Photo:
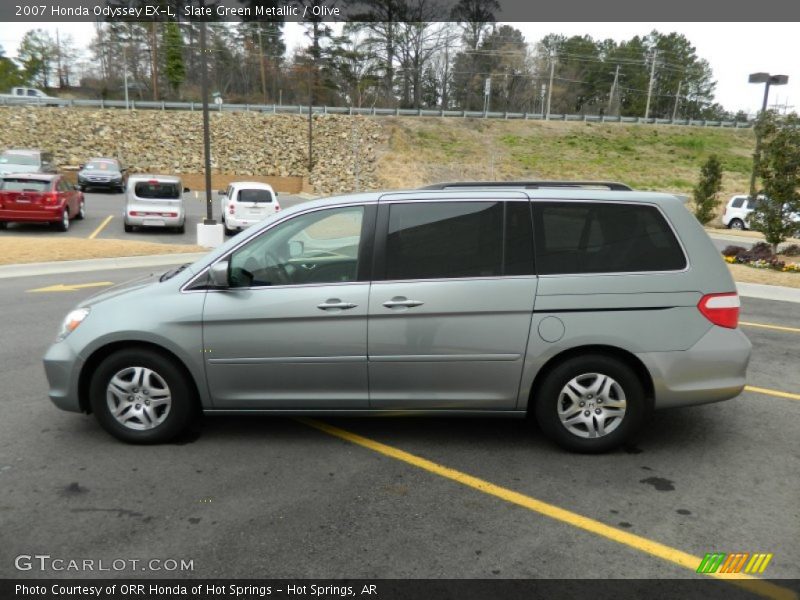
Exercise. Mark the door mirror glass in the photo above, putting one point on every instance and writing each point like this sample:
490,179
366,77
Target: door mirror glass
221,192
186,189
218,274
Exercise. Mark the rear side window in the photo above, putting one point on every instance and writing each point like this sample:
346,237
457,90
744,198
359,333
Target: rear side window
157,190
446,240
737,202
255,196
752,203
18,184
580,237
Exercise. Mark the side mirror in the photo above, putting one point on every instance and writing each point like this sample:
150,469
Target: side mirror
81,166
296,248
276,194
186,189
218,274
221,192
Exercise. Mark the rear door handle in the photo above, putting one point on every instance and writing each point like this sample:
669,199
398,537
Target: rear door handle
402,302
336,304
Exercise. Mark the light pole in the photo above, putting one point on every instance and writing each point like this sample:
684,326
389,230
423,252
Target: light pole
768,80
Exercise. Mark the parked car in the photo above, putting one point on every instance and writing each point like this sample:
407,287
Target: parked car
21,160
245,203
740,207
154,201
107,173
28,95
40,198
581,306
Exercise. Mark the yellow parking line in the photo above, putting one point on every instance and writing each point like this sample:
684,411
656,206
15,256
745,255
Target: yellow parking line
637,542
775,327
100,228
768,392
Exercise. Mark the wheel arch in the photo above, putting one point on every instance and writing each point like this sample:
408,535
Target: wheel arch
624,356
99,354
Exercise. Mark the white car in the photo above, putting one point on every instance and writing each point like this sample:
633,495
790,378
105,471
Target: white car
738,211
245,203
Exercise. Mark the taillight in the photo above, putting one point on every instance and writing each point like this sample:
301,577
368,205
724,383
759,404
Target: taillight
721,309
231,209
277,207
51,198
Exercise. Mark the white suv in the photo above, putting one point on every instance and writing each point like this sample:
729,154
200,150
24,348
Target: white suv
245,203
739,209
737,212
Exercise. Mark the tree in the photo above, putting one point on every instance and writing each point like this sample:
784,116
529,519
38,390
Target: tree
474,16
10,75
36,53
779,170
706,190
174,69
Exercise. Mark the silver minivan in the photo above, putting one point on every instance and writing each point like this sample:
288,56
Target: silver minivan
582,305
154,201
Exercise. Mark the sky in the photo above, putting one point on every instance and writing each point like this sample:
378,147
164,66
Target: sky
733,50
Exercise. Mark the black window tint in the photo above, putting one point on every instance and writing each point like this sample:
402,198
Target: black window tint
737,202
579,237
444,240
255,196
518,239
752,203
157,190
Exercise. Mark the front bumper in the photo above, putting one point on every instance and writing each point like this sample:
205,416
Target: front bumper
62,366
713,369
100,184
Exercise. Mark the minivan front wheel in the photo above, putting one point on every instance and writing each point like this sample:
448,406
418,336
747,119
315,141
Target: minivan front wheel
590,403
141,397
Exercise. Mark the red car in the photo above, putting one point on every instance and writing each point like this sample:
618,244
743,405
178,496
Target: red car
40,198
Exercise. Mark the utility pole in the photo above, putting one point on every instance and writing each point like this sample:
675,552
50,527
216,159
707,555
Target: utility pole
650,87
154,65
553,57
310,122
446,73
261,63
206,129
613,90
677,99
125,73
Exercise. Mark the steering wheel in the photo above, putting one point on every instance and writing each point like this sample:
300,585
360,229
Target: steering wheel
278,267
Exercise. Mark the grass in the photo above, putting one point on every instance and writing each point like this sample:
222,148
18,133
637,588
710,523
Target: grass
663,158
747,274
16,250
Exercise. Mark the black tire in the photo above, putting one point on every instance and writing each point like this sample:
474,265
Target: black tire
548,398
181,411
225,227
63,224
181,229
128,228
82,188
3,225
736,224
81,211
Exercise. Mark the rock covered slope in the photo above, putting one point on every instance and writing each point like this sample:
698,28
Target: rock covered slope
247,143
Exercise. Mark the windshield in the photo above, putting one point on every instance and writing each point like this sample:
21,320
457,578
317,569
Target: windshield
11,158
157,190
17,184
101,165
255,196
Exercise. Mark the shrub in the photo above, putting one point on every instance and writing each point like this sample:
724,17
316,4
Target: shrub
793,250
733,250
761,251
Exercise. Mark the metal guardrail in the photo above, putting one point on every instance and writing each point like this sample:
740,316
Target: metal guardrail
349,110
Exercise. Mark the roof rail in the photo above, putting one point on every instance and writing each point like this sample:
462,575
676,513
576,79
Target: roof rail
610,185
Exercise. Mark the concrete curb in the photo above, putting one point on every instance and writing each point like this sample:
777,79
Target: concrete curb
768,292
96,264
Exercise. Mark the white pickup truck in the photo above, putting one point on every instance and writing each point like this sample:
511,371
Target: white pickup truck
27,95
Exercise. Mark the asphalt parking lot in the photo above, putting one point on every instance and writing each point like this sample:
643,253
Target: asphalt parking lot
397,497
100,206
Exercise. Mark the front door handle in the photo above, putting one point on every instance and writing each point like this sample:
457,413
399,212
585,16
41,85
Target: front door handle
336,304
402,302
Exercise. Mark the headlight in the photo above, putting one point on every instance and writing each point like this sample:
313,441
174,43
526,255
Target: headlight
71,322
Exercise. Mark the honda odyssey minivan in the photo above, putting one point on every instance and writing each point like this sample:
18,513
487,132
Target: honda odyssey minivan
583,305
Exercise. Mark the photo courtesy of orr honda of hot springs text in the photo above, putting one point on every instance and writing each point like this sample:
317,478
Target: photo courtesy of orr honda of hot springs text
582,305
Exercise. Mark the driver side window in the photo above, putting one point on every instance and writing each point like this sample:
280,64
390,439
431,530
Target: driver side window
313,248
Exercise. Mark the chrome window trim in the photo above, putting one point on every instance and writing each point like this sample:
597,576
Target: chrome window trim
251,238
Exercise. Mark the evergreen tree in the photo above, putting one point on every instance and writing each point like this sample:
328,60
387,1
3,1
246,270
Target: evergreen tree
706,190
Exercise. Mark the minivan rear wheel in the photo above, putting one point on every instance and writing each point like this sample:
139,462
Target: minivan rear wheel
141,397
590,403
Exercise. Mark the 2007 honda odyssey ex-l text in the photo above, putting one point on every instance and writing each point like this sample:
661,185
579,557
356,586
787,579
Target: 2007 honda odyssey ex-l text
584,305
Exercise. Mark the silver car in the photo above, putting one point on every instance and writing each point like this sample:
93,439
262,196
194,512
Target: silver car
583,305
154,201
